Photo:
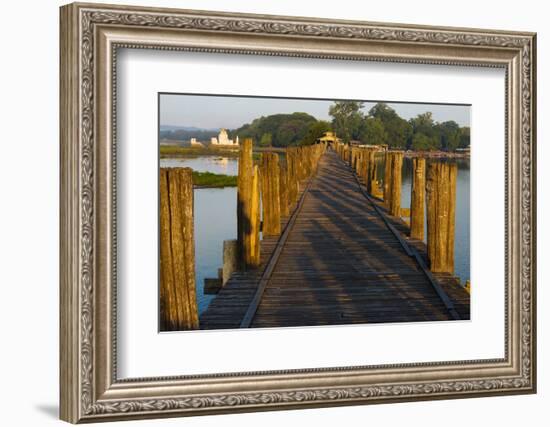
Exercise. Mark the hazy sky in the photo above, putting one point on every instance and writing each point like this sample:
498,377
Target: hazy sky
230,112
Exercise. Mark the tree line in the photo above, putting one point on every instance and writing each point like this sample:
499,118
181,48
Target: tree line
283,130
382,125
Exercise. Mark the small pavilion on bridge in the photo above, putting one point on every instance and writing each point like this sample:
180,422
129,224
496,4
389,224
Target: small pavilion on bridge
330,138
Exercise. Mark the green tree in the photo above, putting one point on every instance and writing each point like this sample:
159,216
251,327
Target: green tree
398,130
291,132
315,131
424,124
422,142
266,140
346,119
449,132
373,131
464,140
285,129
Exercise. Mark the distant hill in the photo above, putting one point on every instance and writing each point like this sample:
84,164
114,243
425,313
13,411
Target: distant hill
187,128
185,133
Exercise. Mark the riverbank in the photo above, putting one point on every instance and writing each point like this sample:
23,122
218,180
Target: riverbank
213,180
175,151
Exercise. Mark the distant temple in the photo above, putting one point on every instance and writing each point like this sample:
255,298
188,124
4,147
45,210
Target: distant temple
223,139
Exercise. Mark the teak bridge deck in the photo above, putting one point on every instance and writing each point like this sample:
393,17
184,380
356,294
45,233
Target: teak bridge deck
341,259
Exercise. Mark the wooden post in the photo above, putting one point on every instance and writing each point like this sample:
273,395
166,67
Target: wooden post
292,179
387,178
395,187
230,259
374,184
354,157
248,222
178,299
270,194
371,178
254,255
283,191
362,165
418,198
441,198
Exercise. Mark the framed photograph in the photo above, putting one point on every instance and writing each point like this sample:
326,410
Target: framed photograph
267,212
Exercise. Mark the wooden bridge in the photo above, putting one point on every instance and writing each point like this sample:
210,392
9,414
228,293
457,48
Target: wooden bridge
340,258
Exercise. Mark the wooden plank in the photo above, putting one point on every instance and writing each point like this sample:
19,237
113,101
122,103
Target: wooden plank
251,311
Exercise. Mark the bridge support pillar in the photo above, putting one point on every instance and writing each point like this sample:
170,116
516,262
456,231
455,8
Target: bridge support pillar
441,204
283,191
270,194
248,208
230,259
292,177
178,300
418,198
396,163
371,170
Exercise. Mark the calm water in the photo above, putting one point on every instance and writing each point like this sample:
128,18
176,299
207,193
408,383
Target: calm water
214,164
216,217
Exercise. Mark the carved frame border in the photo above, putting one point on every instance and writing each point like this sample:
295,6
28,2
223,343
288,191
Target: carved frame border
89,387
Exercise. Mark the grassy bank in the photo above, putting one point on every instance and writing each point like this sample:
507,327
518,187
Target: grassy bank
211,180
175,151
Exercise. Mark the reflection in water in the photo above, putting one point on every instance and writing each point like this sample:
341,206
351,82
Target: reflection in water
215,221
214,164
216,216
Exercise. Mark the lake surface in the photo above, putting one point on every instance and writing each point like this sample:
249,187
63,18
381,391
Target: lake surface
214,164
216,216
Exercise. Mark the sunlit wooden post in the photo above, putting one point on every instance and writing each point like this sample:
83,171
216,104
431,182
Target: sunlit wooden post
395,186
292,179
360,169
304,170
283,191
355,155
178,300
270,194
418,198
358,162
253,260
387,177
371,178
441,205
230,259
248,207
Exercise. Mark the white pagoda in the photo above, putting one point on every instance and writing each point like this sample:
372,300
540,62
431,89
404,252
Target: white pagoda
223,140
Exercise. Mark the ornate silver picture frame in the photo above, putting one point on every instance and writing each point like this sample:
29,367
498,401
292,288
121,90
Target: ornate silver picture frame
90,36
